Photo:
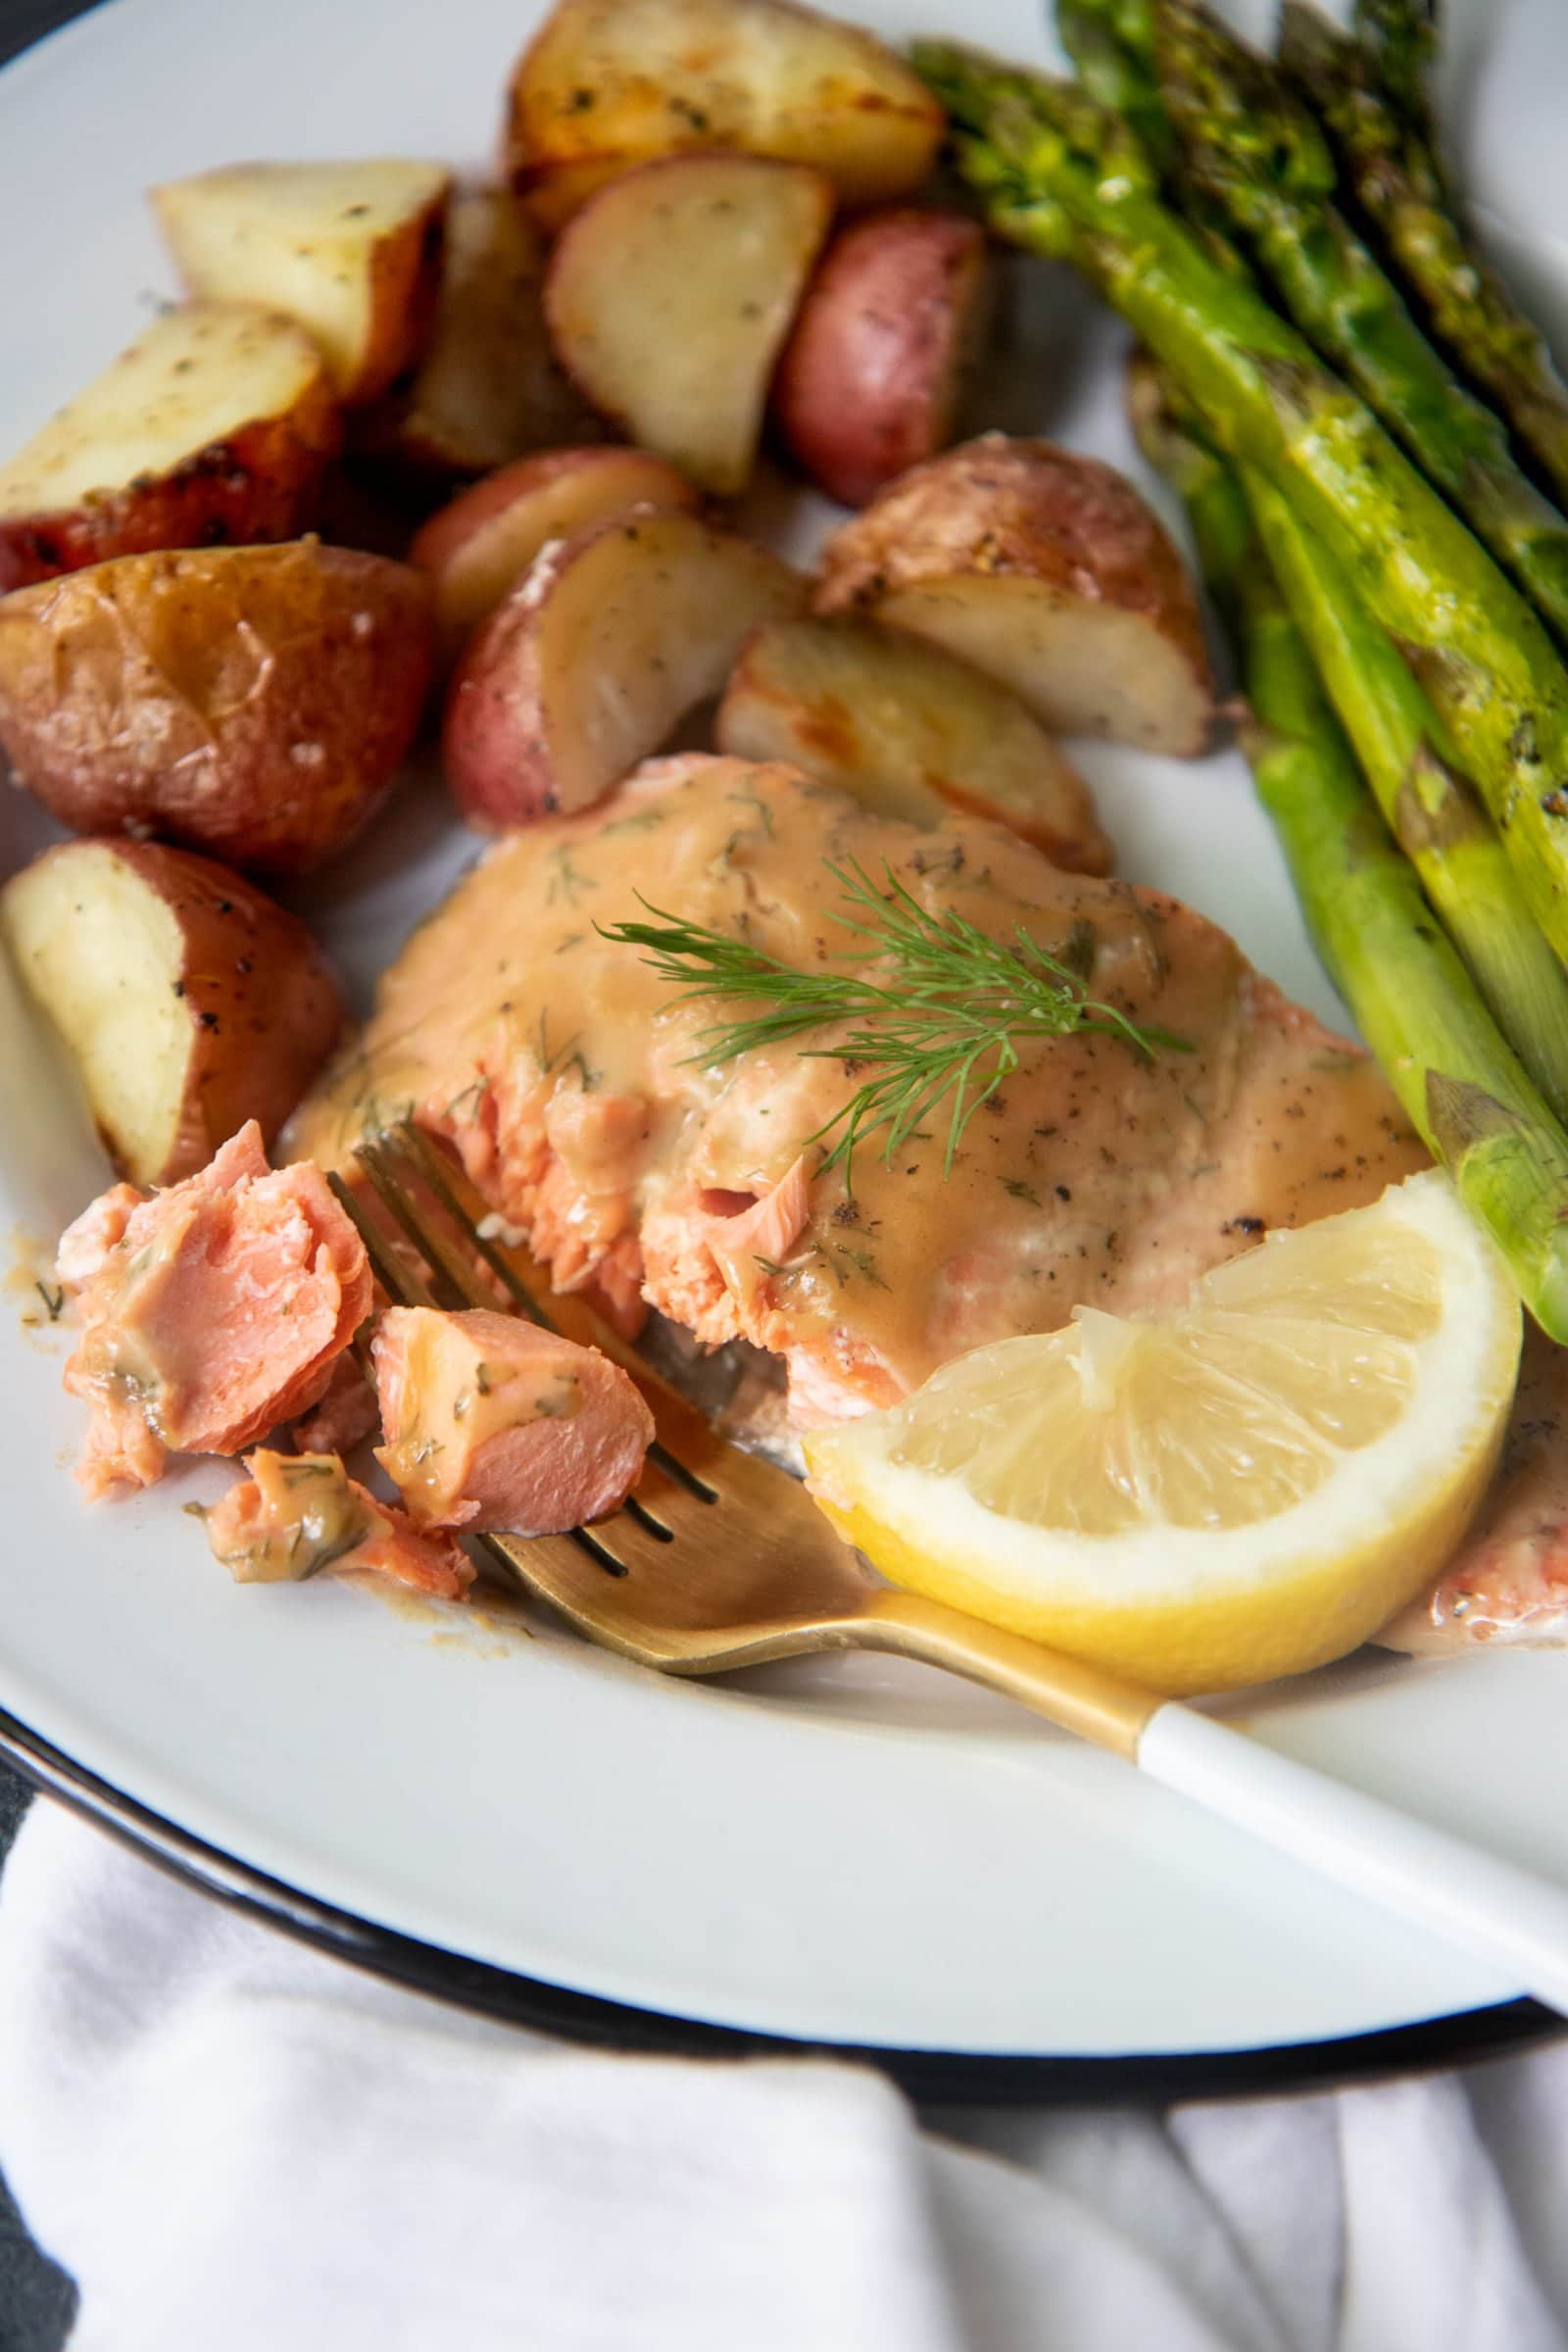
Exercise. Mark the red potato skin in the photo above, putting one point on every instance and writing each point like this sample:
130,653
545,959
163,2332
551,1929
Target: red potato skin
457,525
173,693
496,768
870,379
263,484
265,1003
468,577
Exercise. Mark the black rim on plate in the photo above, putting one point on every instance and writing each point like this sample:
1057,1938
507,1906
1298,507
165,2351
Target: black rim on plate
940,2076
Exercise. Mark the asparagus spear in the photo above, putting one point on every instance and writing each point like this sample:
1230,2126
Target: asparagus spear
1398,742
1379,126
1114,58
1064,176
1254,149
1455,1075
1429,807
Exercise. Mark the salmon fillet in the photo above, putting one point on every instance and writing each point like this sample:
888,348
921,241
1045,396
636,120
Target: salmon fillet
299,1513
572,1081
210,1312
1508,1580
491,1422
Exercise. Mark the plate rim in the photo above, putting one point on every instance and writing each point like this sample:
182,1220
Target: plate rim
939,2077
930,2077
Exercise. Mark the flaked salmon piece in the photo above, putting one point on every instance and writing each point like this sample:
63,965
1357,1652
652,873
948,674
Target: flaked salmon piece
574,1083
210,1312
345,1416
299,1513
1508,1580
491,1422
84,1245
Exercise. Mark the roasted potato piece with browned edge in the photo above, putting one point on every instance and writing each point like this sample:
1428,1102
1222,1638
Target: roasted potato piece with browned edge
607,85
216,425
879,358
1047,571
669,297
352,251
488,388
604,644
186,1000
909,730
486,538
251,702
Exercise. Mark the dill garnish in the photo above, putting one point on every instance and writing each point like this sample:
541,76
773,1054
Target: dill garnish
947,1020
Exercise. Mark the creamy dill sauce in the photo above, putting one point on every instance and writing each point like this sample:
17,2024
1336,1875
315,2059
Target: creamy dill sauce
451,1401
554,1056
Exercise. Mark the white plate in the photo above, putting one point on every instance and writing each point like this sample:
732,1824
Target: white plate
855,1852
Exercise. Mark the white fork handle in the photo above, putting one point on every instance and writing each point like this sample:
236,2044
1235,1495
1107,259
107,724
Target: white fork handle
1473,1899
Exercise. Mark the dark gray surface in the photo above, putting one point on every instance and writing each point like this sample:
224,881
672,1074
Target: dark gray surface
37,2302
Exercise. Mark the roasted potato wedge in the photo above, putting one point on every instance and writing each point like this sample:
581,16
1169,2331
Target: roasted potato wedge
216,425
486,538
186,1000
351,251
669,297
606,84
909,730
606,642
488,388
873,373
251,702
1047,571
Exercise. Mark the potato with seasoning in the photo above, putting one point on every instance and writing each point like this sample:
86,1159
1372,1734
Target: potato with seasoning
909,730
351,251
607,84
215,427
1047,571
669,297
185,999
252,703
488,387
604,644
880,357
474,548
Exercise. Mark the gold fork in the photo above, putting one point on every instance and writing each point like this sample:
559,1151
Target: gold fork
720,1560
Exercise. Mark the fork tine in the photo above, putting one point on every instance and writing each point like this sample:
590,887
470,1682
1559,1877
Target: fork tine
380,1161
409,1139
401,1282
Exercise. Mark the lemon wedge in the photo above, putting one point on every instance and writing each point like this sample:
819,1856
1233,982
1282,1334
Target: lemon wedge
1247,1488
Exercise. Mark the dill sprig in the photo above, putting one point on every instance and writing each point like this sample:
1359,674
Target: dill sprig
947,1019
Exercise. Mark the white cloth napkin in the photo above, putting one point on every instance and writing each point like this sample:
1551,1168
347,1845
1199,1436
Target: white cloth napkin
236,2145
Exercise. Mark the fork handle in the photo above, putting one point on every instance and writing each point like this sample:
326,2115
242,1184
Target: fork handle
1475,1900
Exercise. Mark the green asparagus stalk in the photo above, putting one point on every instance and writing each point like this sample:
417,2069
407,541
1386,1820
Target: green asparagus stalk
1399,744
1117,71
1111,43
1380,129
1429,810
1061,176
1459,1083
1254,149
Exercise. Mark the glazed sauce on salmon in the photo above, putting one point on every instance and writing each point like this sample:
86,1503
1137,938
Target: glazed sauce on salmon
573,1081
